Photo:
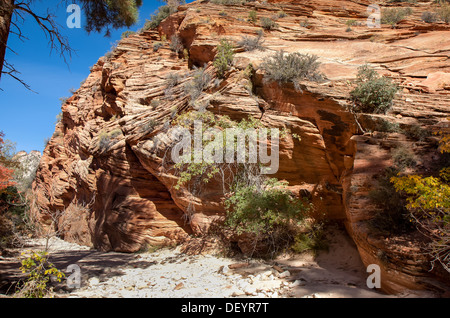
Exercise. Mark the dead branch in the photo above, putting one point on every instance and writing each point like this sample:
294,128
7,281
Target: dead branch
50,28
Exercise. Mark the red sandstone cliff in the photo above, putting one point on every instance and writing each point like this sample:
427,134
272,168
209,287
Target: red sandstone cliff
118,197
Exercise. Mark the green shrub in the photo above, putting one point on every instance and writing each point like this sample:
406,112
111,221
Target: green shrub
224,57
251,43
127,34
416,132
186,54
444,12
394,15
291,67
384,125
403,158
268,23
374,93
281,14
59,118
268,212
172,80
63,100
106,139
157,46
229,2
205,170
176,44
304,23
313,240
429,17
149,126
195,87
156,18
252,16
351,22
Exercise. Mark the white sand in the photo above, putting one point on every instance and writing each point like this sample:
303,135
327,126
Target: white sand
168,273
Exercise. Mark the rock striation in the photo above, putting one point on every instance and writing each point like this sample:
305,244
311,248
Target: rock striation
104,164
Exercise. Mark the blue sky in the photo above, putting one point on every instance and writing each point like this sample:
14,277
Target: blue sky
28,118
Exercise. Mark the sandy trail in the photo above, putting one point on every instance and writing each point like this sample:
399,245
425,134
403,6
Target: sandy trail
168,273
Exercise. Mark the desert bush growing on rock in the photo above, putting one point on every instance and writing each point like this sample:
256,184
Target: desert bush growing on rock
416,132
394,15
149,126
429,17
304,23
291,68
251,43
157,46
162,13
252,16
224,57
229,2
373,93
199,82
106,139
176,44
206,170
281,14
172,80
268,23
387,126
444,12
127,34
156,18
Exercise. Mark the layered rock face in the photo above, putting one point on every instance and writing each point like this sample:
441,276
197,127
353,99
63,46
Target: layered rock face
104,166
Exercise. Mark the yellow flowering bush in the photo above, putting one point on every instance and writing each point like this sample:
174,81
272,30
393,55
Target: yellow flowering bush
428,200
39,272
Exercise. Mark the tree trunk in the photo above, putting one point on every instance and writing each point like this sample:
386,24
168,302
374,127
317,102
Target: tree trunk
6,11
